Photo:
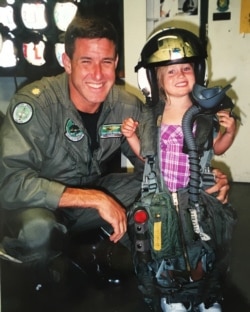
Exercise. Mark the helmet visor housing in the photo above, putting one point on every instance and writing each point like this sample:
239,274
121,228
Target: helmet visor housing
172,46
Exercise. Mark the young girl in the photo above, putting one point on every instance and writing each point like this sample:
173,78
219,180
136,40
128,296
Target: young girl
174,60
175,84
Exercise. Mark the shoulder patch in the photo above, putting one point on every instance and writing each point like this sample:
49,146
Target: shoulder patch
22,113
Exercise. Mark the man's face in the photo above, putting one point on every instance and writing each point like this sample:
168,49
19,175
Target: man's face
91,72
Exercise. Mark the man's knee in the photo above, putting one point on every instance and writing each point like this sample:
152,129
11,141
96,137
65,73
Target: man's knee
39,234
36,227
36,233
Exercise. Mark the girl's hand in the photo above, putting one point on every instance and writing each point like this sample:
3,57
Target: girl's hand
129,127
227,121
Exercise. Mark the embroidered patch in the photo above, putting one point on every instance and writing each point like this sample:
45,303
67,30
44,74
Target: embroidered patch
22,113
72,131
110,131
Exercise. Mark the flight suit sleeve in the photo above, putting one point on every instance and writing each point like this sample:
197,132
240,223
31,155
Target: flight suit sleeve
22,139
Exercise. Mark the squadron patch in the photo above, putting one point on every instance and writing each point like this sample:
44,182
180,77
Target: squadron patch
22,113
72,131
110,131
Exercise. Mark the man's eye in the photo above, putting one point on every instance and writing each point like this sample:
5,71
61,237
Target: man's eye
84,61
107,62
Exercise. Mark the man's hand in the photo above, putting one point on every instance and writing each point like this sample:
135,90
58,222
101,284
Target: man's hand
221,186
108,208
112,212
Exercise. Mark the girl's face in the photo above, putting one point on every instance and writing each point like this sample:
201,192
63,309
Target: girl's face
177,79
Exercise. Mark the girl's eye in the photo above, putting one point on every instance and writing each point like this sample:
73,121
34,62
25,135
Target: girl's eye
171,72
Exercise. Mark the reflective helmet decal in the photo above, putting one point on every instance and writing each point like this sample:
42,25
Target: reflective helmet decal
7,17
59,50
34,53
8,56
34,15
63,14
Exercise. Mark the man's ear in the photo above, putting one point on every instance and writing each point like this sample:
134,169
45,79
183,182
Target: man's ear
116,60
66,63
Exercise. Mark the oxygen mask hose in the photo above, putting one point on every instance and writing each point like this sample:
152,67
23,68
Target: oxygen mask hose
195,172
194,162
210,101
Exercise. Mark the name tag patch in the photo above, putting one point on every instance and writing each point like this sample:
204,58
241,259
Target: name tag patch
110,131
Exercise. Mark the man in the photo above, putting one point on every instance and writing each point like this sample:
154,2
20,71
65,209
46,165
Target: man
56,141
57,137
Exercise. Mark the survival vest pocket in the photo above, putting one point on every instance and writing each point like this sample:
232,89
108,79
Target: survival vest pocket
163,232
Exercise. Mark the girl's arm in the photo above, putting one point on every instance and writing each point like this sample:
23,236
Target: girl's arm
128,128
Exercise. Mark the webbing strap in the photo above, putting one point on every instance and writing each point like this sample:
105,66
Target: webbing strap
149,183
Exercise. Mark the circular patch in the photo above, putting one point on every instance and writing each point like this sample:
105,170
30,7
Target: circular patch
22,113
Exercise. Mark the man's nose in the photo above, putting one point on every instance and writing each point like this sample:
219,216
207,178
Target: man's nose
97,71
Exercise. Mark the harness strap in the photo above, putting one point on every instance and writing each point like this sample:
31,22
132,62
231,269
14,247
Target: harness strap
149,183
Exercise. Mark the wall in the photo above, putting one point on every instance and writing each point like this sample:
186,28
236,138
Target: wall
230,62
134,39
